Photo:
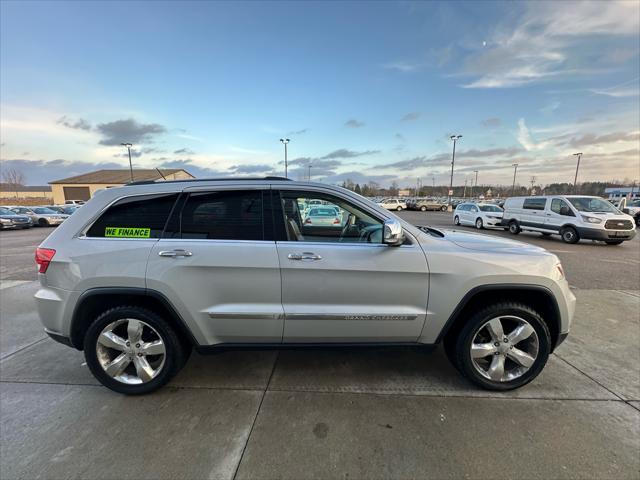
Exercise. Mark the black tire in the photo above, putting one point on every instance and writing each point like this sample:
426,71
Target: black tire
613,242
175,356
569,235
514,228
399,209
444,208
423,208
456,220
43,222
479,224
462,345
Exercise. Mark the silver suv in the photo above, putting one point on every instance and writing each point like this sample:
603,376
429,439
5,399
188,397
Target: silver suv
143,273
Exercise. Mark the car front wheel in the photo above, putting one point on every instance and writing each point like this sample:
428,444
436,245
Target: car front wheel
514,228
444,208
133,350
43,222
479,224
503,347
456,220
423,208
569,235
399,209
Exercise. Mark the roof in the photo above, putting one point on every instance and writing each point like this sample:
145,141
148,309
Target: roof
120,176
221,179
8,187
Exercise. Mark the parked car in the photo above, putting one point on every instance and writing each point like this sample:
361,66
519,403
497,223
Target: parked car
393,204
481,215
139,277
11,219
573,217
41,216
430,204
65,209
324,215
74,202
631,207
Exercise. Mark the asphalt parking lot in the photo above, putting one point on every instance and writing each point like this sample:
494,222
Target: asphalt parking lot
349,413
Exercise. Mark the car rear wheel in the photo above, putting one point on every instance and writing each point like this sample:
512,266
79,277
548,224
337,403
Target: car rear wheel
514,228
443,208
479,224
423,208
456,220
132,350
399,208
569,235
503,347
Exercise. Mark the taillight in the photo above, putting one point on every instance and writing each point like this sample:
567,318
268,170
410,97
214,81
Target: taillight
308,221
336,221
43,258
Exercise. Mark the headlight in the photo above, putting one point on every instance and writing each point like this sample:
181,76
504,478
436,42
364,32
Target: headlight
591,219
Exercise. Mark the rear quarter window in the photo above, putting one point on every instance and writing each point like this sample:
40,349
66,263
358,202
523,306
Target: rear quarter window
134,217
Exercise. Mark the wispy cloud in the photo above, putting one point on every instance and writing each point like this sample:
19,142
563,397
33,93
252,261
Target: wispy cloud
129,130
548,42
403,66
630,88
79,124
525,138
491,122
353,123
410,117
346,153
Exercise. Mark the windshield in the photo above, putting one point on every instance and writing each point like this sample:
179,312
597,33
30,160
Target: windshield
490,208
43,210
6,211
592,204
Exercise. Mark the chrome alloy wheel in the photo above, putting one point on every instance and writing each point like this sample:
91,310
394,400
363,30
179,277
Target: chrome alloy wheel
500,356
130,351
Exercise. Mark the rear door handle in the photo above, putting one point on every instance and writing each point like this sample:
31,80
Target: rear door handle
175,253
304,256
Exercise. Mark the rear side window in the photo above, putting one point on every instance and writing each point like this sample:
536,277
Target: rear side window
223,215
534,203
135,217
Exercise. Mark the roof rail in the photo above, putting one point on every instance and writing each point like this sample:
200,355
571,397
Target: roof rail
223,179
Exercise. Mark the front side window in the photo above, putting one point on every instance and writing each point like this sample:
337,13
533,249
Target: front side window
534,203
335,221
560,207
134,217
473,208
490,208
222,215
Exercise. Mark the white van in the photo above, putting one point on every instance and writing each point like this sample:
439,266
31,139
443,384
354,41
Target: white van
573,217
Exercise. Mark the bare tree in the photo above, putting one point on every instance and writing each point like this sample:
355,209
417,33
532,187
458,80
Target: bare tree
14,178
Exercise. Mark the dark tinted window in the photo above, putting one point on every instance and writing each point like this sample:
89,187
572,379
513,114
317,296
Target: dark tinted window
225,215
135,217
557,205
534,203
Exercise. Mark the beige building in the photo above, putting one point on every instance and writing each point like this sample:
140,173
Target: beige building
18,192
82,187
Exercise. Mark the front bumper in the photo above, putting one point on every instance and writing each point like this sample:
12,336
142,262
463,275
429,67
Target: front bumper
604,235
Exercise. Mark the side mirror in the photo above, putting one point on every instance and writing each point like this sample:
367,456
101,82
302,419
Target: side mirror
392,232
565,211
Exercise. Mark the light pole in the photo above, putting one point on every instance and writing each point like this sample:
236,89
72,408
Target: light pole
128,145
433,182
309,172
515,170
285,141
575,180
476,172
455,138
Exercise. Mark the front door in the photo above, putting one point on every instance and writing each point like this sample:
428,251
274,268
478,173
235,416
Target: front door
340,283
557,215
218,263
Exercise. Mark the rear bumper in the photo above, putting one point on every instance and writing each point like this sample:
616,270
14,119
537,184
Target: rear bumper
59,338
603,235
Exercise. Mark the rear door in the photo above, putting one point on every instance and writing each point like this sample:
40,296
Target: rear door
217,263
342,284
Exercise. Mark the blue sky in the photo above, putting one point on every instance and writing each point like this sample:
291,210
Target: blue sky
366,91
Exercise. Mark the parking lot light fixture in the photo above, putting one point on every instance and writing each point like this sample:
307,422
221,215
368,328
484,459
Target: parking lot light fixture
128,147
575,180
515,170
285,142
476,183
454,138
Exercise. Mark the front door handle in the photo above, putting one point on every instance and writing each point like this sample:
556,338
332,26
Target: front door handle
304,256
175,253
